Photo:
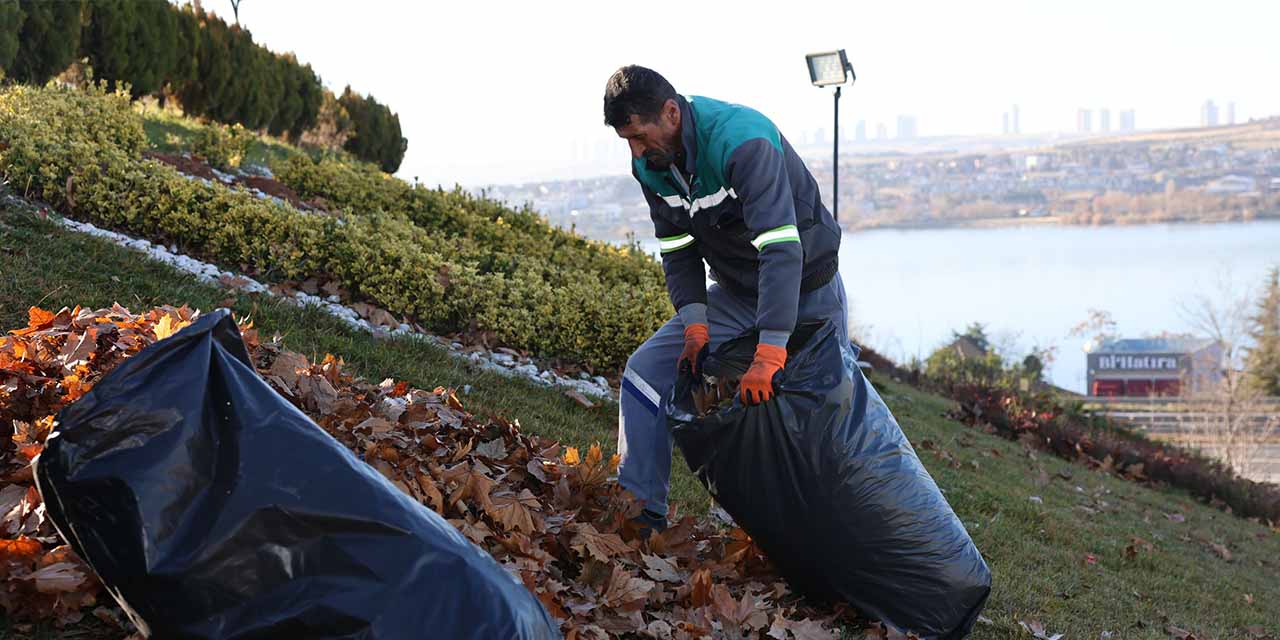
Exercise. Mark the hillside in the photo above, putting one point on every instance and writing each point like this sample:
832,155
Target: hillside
1077,551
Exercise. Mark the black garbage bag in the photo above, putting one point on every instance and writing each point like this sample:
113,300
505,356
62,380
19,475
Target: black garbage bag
823,479
212,508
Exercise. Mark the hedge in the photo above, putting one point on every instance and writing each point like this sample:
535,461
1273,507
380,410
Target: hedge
82,152
496,237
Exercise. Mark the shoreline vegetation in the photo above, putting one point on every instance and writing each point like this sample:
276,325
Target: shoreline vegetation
1064,220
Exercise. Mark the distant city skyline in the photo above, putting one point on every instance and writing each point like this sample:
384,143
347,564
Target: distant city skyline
500,92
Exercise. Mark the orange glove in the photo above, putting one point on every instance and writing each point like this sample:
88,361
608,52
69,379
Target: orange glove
696,338
757,383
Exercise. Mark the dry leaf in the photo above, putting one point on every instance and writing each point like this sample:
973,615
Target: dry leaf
601,546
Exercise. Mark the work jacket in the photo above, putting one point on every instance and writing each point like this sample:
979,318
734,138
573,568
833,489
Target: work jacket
743,201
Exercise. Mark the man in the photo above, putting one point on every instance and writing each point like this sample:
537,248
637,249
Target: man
724,187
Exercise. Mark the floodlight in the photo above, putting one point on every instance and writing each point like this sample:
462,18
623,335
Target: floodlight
825,69
828,68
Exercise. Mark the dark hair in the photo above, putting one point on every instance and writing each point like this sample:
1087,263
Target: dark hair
635,90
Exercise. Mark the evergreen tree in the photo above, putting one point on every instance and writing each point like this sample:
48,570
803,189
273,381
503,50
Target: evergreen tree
186,59
11,18
977,333
1263,360
154,46
107,38
49,40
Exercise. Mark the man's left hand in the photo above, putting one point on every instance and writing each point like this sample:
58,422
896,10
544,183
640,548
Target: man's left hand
757,384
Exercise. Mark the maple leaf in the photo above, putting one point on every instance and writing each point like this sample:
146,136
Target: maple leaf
494,449
800,629
470,483
661,569
593,470
61,577
286,367
700,588
477,531
37,318
317,394
22,550
740,616
167,326
432,493
512,511
78,349
626,591
601,546
571,456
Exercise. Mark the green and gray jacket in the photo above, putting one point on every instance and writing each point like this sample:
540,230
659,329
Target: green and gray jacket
744,202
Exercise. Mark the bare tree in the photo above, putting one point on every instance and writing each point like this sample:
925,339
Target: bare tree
235,9
1224,414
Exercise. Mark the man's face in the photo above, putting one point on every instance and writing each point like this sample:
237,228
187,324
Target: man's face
658,141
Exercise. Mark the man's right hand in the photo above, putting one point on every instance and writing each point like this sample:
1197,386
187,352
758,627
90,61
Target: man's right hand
696,338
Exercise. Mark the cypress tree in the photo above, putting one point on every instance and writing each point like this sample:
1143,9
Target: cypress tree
11,18
48,41
107,38
153,46
1263,360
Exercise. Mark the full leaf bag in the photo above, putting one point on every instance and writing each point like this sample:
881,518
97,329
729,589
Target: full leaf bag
826,483
212,508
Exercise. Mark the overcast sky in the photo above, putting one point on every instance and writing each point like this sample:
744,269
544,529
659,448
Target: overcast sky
500,92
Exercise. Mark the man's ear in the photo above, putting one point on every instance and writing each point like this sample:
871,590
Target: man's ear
671,112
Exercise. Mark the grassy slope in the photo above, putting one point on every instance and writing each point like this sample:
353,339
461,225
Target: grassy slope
1037,551
170,132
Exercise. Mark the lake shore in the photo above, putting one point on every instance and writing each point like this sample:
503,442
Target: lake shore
1046,221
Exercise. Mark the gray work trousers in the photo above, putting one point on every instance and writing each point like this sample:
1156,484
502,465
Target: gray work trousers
644,441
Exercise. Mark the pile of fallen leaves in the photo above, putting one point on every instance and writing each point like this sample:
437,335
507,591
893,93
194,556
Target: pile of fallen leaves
553,516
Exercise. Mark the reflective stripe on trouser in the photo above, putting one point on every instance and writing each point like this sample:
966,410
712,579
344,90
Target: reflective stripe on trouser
644,443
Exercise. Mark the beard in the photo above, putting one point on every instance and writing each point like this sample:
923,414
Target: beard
659,160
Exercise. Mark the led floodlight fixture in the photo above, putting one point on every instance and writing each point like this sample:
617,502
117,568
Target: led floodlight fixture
828,68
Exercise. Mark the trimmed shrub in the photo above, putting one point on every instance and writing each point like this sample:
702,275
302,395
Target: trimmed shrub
223,146
82,151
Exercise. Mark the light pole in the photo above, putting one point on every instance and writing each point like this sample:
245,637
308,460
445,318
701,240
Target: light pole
826,69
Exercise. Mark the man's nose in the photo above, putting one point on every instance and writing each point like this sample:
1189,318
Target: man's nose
637,149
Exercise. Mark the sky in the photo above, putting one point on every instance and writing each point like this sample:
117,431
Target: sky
509,92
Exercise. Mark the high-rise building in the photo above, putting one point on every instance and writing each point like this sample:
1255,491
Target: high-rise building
906,127
1208,114
1017,126
1126,120
1104,120
861,131
1231,113
1084,121
882,132
1005,125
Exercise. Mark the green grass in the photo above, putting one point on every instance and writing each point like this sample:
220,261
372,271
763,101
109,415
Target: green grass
1037,550
170,132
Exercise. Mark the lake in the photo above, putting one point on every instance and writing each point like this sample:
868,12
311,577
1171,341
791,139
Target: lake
1029,285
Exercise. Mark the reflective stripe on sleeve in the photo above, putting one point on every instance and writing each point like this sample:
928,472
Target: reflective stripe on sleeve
675,202
706,202
785,233
674,243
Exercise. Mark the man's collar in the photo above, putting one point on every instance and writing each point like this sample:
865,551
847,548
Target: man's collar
688,135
